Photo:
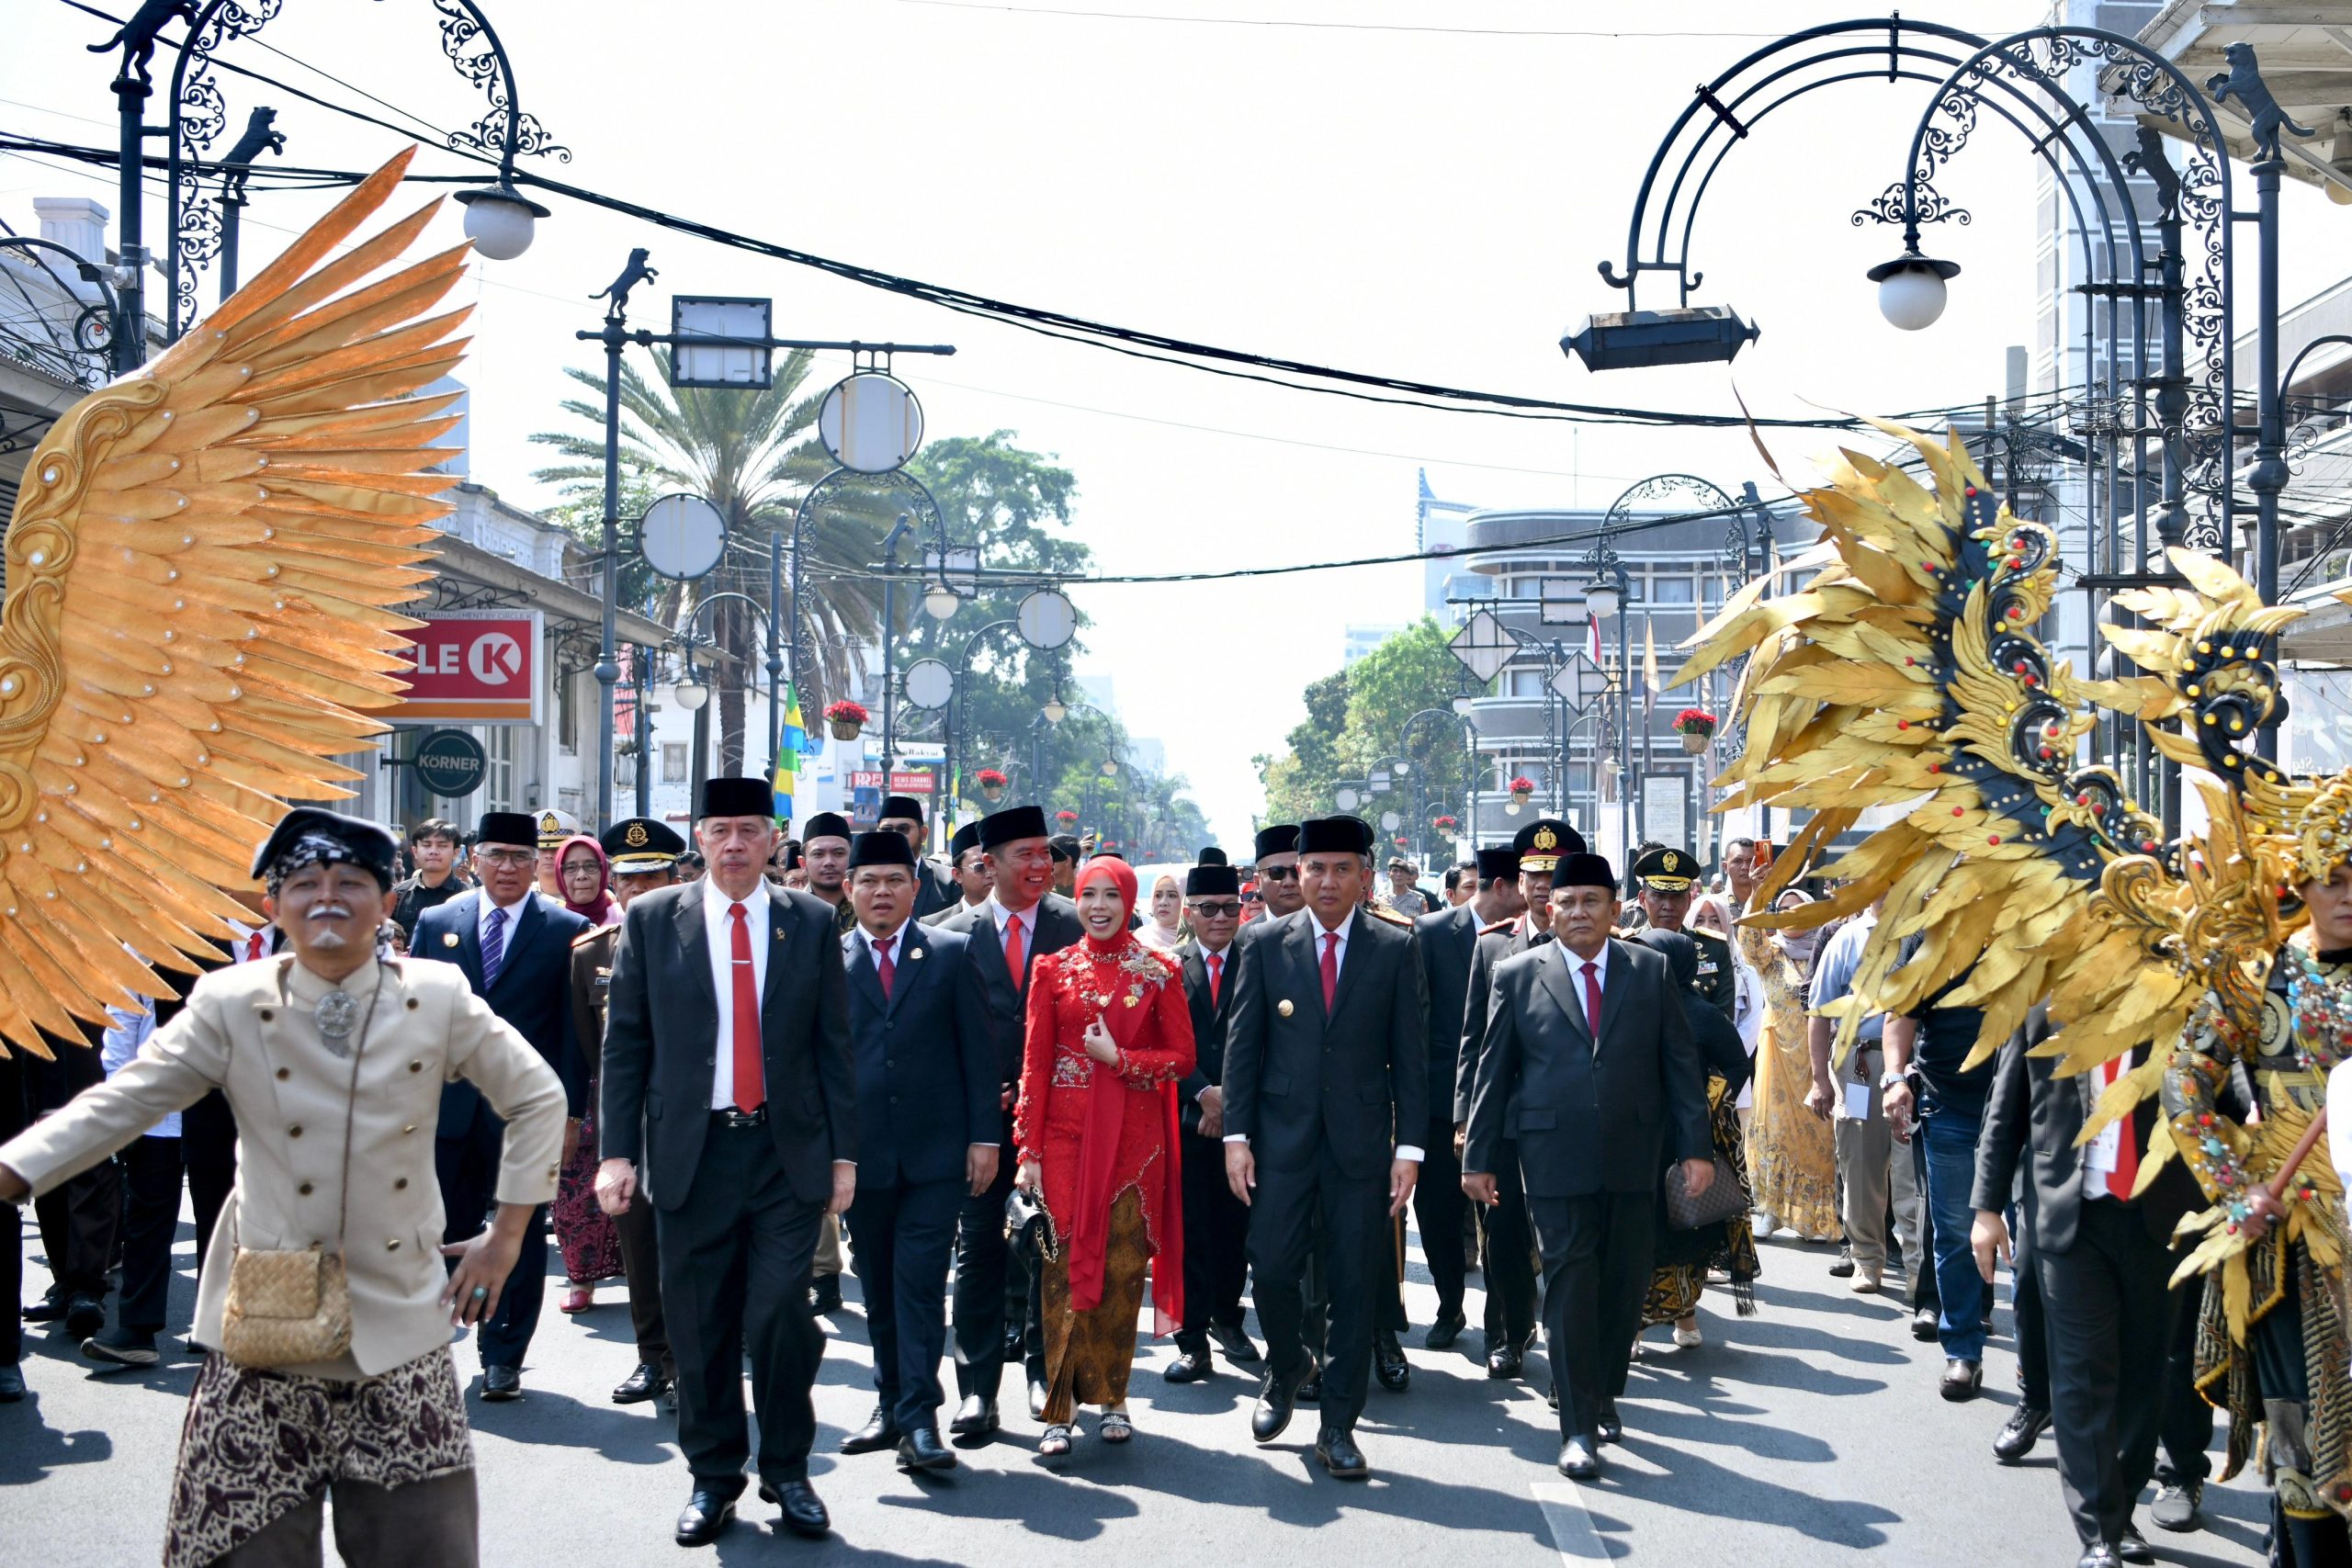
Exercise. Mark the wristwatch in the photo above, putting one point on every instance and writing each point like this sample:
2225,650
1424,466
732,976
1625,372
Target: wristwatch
1888,1080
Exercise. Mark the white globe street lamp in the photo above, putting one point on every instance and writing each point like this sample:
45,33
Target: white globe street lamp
1911,291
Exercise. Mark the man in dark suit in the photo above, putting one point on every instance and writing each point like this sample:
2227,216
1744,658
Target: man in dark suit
644,856
936,884
1449,938
928,1124
515,945
2104,1262
728,1076
1324,1060
1590,1063
1216,1224
1506,1235
1022,919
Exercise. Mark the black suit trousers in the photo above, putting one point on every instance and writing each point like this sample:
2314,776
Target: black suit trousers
208,1151
1597,1258
982,1264
151,1220
1216,1243
2110,1319
735,1262
1438,1202
78,1222
467,1168
1506,1256
900,1234
1343,1220
641,1266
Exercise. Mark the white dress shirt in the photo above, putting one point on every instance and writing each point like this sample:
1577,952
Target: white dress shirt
1339,967
514,915
875,945
126,1032
718,927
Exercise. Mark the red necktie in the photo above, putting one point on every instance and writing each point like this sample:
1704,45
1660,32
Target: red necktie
1592,999
2120,1180
750,1091
1216,976
1331,970
883,967
1012,954
252,947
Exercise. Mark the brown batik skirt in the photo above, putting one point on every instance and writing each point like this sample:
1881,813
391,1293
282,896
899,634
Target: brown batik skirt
1088,1354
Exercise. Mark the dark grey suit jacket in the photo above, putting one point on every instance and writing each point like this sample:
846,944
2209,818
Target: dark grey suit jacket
1057,927
1590,1119
926,1072
1477,993
662,1029
1355,1082
1209,1021
1449,940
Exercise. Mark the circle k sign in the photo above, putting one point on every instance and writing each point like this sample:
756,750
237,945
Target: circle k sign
475,667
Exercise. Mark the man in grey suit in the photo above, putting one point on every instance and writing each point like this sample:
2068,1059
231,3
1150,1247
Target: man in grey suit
1324,1062
1590,1063
727,1073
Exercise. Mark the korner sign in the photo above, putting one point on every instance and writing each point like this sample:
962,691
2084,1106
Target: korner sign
475,667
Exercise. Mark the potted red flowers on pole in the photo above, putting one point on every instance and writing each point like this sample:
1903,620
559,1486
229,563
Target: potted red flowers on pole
1065,817
845,718
1444,824
1523,790
1697,727
991,784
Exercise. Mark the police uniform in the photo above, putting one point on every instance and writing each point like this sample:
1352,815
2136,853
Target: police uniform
635,845
1673,871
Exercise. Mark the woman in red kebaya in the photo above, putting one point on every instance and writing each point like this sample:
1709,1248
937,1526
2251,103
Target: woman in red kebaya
1109,1036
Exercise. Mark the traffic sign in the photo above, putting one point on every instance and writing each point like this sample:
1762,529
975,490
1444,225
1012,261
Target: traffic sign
1483,645
449,763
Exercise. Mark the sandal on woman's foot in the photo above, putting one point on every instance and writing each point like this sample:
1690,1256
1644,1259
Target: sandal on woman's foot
1116,1428
1055,1443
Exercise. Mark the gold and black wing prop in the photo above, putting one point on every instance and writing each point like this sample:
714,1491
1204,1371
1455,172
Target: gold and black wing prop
203,572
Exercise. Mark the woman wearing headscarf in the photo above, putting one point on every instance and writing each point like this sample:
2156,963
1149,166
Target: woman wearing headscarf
1165,928
1683,1258
1109,1035
584,1233
1791,1156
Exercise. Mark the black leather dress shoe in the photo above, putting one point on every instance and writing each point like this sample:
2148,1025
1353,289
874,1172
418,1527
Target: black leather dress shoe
1579,1460
1311,1390
975,1417
2017,1435
922,1449
1236,1344
1962,1378
49,1309
825,1294
879,1432
804,1511
2132,1547
1612,1428
12,1383
2097,1554
1444,1331
1190,1366
1341,1455
1507,1362
1388,1363
1843,1268
1276,1401
647,1382
705,1514
84,1316
501,1383
1923,1323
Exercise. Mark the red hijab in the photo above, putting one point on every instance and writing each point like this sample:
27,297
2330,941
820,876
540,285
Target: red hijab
600,911
1089,1228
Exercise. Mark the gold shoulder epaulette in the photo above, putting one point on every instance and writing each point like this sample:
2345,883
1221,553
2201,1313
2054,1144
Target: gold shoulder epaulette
1499,926
584,938
1380,913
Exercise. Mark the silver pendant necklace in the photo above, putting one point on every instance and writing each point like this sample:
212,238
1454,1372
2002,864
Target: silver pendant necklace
334,1015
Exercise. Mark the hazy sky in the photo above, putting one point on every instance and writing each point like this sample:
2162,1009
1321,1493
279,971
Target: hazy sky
1413,188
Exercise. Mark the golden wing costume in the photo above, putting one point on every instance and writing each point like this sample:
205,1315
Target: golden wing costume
1905,676
203,571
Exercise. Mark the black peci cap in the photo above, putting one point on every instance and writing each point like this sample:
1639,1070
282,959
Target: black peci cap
1581,870
1206,880
901,806
880,848
824,824
1214,856
1282,839
738,798
1011,825
518,829
1499,862
1334,835
965,839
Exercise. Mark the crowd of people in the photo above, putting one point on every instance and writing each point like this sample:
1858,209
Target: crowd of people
1028,1090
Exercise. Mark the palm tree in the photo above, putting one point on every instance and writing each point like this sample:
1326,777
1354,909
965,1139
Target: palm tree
752,453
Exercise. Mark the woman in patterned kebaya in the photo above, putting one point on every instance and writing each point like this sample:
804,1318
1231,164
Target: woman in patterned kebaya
1110,1034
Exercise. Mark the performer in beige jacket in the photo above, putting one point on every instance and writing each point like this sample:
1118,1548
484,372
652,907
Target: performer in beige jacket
323,1165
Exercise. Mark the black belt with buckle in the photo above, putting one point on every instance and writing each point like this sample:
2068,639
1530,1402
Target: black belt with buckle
757,1117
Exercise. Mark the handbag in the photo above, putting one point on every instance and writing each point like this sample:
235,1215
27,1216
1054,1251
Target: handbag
291,1306
1025,1213
1722,1200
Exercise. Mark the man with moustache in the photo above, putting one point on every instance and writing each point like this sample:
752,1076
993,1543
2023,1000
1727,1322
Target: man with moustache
729,1080
1507,1236
1589,1063
1663,877
928,1124
1449,942
1216,1224
644,856
935,885
515,945
1022,919
1323,1063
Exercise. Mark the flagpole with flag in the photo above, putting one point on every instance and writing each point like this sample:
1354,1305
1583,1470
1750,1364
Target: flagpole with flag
787,756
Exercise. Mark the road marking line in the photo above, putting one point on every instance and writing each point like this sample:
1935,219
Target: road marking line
1573,1534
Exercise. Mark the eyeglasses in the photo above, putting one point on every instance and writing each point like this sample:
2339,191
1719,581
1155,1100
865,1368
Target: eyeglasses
1279,873
1213,909
505,857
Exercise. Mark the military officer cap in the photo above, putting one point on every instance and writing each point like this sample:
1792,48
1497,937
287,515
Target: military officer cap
1544,841
1666,871
555,826
639,844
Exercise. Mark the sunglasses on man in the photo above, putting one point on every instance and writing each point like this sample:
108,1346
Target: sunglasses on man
1211,908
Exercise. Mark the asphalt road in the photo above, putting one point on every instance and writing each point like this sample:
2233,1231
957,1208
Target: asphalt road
1810,1433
